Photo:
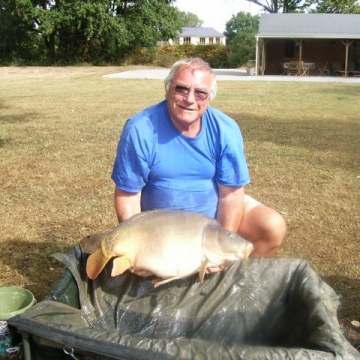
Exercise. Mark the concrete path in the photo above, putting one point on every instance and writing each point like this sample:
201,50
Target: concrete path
231,74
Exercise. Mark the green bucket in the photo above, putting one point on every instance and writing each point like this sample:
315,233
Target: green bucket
14,301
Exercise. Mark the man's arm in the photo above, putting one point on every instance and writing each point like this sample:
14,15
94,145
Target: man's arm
229,213
230,207
126,204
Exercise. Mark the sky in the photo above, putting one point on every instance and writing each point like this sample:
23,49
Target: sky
215,13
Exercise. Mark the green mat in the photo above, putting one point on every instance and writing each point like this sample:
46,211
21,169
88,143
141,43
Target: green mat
258,309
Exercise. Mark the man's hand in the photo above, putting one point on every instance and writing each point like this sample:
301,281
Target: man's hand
215,269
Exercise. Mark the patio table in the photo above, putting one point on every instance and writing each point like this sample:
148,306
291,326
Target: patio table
305,69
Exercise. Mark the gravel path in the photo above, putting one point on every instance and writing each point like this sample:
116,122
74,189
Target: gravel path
231,74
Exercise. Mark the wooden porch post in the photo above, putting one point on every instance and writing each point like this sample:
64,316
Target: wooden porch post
257,57
347,43
300,56
263,56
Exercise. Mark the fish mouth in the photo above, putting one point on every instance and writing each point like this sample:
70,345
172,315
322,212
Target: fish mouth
248,251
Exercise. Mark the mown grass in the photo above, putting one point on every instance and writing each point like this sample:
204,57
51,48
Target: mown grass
59,132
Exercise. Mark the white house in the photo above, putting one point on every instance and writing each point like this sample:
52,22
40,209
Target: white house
199,36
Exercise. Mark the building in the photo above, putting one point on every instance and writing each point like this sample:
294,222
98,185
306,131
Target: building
199,36
319,39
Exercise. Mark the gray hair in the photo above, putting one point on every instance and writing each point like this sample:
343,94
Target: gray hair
194,64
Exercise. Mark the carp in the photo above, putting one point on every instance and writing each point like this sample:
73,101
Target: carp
172,244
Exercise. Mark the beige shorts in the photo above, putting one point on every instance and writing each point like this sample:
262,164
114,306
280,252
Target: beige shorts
250,203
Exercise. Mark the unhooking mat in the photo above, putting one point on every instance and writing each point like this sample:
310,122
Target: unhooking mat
257,309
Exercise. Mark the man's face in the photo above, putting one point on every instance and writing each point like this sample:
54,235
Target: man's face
188,98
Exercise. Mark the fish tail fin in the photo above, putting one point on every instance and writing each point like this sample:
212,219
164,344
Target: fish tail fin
95,263
120,265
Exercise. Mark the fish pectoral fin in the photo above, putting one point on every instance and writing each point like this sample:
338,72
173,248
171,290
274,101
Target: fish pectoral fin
158,282
95,263
120,265
203,267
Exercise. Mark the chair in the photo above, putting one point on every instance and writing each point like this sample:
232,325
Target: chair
355,72
337,68
296,67
324,70
351,66
284,68
351,69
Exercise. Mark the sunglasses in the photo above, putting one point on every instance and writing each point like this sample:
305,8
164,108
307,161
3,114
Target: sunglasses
183,90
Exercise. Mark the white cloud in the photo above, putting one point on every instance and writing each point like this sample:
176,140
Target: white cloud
215,13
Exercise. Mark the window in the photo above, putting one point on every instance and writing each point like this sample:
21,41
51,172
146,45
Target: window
202,41
211,41
290,49
218,40
354,54
187,40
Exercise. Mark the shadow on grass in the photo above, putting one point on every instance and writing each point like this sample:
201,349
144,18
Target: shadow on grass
32,262
336,140
349,310
349,290
18,119
4,142
340,90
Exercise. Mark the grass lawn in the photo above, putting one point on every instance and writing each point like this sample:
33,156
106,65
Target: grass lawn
59,129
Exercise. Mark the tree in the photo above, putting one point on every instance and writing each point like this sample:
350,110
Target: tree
242,48
190,20
319,6
334,6
242,21
83,30
16,38
240,33
277,6
149,21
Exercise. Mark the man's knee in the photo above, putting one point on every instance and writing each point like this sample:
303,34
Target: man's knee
276,226
263,224
271,235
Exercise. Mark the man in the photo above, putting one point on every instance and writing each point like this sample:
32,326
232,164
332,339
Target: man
184,154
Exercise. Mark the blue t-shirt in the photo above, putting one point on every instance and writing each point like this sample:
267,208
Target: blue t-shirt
173,171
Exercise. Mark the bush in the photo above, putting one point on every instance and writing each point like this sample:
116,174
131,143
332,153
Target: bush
165,56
